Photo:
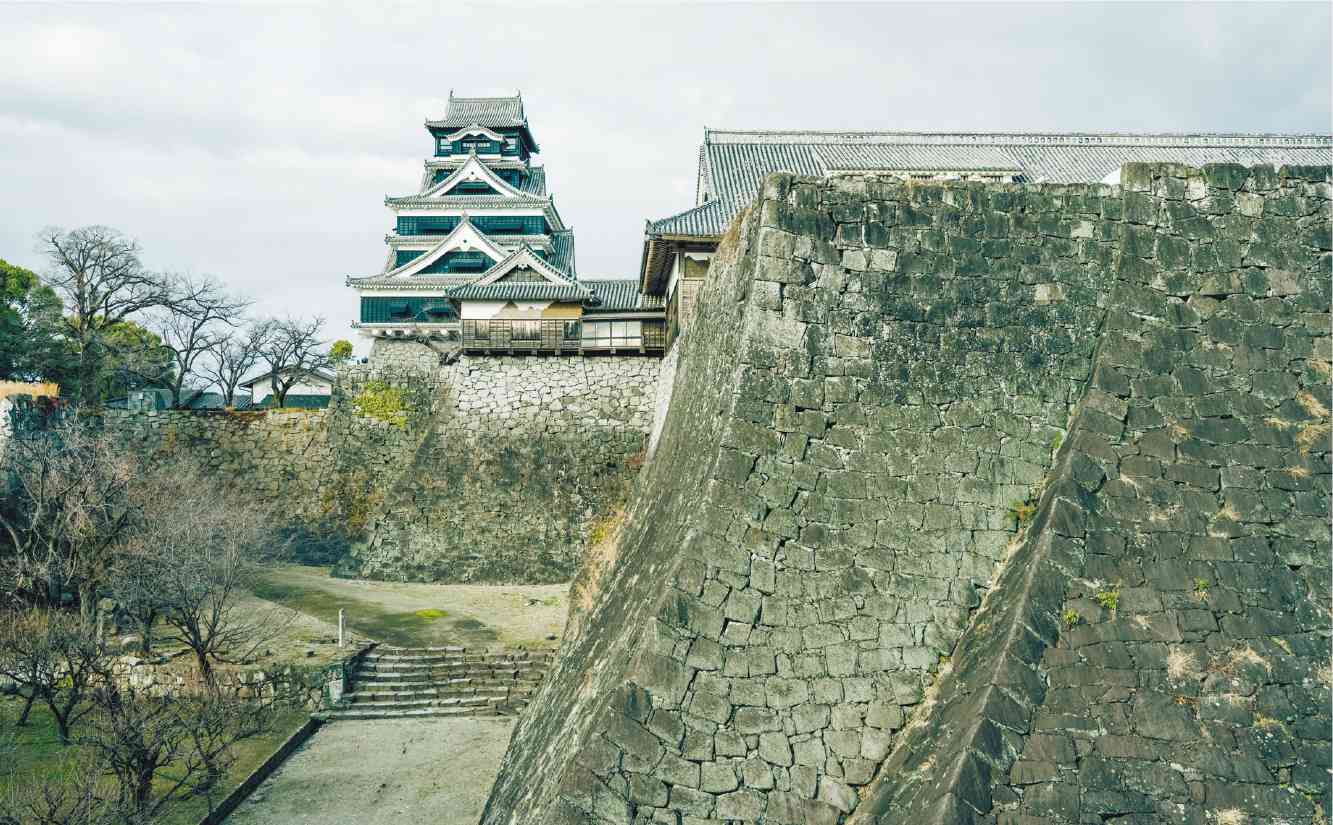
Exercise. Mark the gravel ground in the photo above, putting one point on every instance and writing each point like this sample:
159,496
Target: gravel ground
384,772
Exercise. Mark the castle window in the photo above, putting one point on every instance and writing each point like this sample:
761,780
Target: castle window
526,331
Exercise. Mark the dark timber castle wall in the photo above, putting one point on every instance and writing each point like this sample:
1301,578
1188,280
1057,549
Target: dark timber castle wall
974,503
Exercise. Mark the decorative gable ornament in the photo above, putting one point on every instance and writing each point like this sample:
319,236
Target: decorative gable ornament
525,257
464,238
473,170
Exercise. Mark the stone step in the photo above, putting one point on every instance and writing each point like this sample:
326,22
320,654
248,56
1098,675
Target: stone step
366,677
426,695
452,678
450,702
418,664
423,684
452,686
418,713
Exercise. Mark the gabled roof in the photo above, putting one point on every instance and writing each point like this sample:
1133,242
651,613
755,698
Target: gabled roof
474,129
465,236
472,170
531,183
322,374
523,256
493,112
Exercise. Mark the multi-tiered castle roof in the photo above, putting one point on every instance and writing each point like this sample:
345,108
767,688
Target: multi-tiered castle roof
481,240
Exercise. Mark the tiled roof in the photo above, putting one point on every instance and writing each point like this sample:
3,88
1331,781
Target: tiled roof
709,219
466,201
534,183
519,291
733,163
481,111
620,295
924,158
562,252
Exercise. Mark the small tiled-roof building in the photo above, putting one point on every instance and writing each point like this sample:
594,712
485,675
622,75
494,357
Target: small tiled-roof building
677,248
480,253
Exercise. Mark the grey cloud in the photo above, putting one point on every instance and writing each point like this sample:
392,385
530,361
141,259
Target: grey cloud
257,143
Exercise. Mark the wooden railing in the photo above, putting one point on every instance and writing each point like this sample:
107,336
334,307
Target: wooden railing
557,335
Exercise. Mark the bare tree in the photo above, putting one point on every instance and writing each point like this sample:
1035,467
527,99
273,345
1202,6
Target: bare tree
135,736
292,351
97,273
232,358
191,560
54,658
65,507
195,320
69,795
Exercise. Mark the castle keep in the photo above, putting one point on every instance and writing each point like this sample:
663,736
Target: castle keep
480,255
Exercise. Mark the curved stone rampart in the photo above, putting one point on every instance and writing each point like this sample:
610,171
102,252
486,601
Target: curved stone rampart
867,409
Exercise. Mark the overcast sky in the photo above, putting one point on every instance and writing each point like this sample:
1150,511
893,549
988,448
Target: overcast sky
257,144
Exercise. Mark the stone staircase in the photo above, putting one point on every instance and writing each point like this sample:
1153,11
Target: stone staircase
403,682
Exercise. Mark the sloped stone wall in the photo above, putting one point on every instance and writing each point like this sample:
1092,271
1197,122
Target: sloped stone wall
1157,650
872,395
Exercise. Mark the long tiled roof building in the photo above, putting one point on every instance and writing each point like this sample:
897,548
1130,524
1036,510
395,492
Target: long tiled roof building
732,164
479,253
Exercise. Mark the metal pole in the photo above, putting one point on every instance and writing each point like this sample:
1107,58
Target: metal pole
342,614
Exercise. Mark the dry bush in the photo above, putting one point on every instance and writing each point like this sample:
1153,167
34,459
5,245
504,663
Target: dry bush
598,559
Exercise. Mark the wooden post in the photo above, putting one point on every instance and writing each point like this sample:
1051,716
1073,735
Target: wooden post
342,615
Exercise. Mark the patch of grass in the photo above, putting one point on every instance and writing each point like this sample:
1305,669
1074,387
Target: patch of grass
1108,597
1070,618
431,613
39,756
406,629
1021,512
381,401
1201,588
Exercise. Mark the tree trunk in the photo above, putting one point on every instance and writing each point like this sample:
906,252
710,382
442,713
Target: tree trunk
27,706
143,786
146,632
62,721
205,668
88,602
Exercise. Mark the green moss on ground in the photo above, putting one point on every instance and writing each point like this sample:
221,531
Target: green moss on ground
407,628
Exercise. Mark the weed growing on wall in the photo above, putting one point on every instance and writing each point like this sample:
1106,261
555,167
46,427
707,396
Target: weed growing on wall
382,402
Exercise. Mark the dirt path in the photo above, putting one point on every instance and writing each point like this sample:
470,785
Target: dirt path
415,615
385,772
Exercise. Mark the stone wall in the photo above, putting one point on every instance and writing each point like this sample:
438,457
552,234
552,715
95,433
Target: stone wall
871,411
523,457
492,469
